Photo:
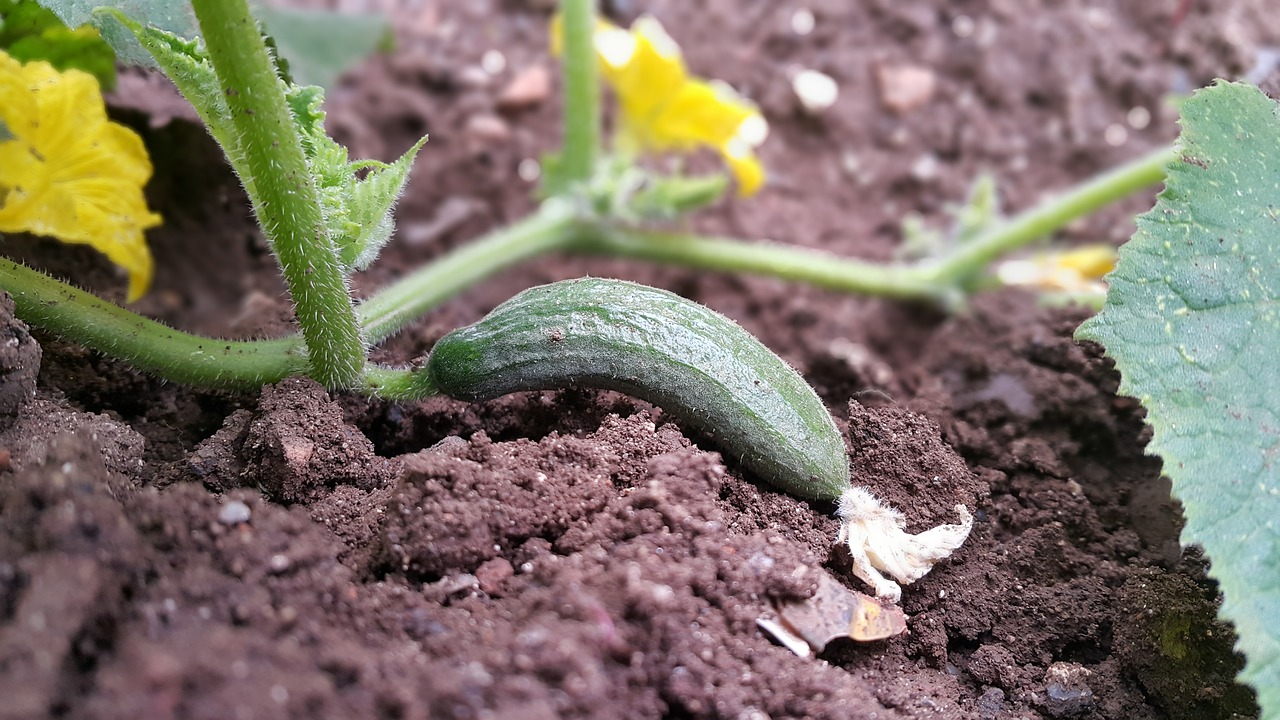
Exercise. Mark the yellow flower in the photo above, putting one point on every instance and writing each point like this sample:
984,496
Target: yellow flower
68,172
1078,270
664,108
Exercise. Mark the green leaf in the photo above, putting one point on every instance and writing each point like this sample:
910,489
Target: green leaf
357,197
1192,320
321,45
174,16
30,32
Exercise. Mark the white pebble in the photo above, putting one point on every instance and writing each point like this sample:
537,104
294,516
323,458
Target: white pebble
1139,118
493,62
529,170
1115,135
234,512
816,91
802,21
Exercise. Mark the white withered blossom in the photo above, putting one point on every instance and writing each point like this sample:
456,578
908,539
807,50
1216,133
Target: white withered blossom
877,538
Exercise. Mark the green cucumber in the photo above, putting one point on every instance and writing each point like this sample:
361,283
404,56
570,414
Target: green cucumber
697,365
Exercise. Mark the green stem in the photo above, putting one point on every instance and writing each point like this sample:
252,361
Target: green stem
787,262
285,199
1020,230
145,344
581,90
391,308
553,228
397,384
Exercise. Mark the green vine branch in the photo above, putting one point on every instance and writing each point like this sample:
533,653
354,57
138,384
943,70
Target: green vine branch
154,348
286,201
970,258
554,227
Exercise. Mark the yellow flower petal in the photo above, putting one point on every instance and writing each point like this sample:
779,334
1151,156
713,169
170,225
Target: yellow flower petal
1079,270
747,169
70,173
663,108
1091,261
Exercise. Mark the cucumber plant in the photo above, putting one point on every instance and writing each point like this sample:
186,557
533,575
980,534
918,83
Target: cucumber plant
326,217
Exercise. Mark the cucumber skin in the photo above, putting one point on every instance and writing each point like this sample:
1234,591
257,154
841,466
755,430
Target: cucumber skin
696,364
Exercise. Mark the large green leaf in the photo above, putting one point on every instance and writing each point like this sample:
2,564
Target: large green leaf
319,44
1192,320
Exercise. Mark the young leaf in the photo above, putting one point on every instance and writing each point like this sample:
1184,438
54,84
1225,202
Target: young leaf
30,32
1191,320
188,67
357,211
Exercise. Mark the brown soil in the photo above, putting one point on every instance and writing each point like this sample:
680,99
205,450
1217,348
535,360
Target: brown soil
174,553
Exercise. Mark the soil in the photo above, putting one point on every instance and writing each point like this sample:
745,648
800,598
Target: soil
174,553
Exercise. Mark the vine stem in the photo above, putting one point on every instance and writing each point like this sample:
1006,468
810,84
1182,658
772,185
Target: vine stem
182,357
581,90
284,197
1024,228
555,228
149,346
550,228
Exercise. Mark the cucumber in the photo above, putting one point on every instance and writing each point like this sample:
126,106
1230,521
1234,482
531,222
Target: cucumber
694,363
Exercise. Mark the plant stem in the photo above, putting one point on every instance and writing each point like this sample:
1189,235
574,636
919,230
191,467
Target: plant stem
145,344
553,228
549,228
285,199
209,362
814,267
1022,229
581,90
397,384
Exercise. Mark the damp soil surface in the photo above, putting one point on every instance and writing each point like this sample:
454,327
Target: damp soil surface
171,553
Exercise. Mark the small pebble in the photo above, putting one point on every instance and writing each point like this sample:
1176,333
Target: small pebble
816,91
802,21
1139,117
234,512
279,563
485,130
492,575
991,704
1115,135
493,62
925,168
904,88
530,87
1067,690
529,170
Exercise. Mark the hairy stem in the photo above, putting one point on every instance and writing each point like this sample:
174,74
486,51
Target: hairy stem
581,90
397,384
285,199
145,344
550,228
